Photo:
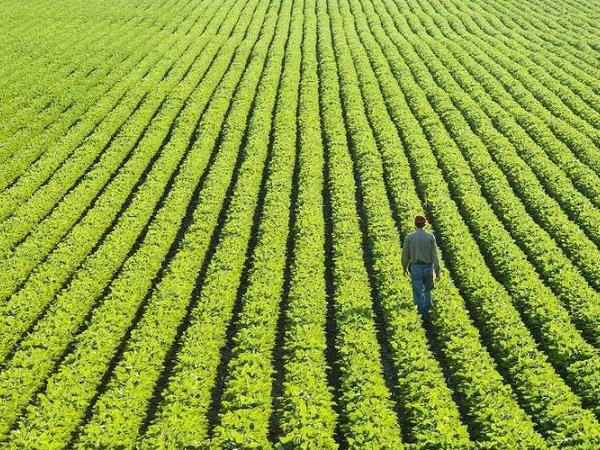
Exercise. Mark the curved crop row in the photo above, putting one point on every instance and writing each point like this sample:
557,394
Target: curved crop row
182,417
505,426
46,151
122,129
103,134
552,84
494,308
172,297
74,303
542,312
568,235
579,207
537,35
544,108
563,145
58,55
18,76
549,260
26,304
245,409
571,239
110,322
56,117
424,381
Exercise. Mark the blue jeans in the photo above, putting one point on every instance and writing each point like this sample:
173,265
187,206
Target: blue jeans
421,276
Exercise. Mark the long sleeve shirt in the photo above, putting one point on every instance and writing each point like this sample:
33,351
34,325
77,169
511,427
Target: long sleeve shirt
420,247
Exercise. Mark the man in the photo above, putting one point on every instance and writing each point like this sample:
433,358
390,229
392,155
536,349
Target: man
419,254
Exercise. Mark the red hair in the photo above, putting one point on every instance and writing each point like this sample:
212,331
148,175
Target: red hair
420,221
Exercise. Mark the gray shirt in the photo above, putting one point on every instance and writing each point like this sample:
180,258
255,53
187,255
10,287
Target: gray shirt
420,247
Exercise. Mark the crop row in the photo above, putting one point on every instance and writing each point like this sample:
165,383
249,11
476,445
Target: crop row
544,111
568,235
111,147
182,417
75,92
486,297
561,341
26,304
18,74
522,48
91,146
541,310
47,44
579,207
561,144
245,409
539,77
557,39
305,413
367,414
549,260
466,358
73,304
45,152
537,35
422,379
174,294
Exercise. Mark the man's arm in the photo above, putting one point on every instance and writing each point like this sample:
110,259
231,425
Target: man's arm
405,255
434,256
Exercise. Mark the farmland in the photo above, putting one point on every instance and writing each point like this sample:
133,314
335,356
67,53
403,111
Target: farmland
202,205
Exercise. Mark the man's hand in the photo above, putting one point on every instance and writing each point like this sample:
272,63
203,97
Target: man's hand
405,272
438,277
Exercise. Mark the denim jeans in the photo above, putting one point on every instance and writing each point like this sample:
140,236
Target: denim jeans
421,276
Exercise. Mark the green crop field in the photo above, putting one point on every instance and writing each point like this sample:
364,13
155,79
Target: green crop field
202,204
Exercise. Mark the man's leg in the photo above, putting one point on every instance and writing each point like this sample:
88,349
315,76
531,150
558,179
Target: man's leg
428,285
416,275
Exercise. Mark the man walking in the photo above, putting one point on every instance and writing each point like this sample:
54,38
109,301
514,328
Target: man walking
419,254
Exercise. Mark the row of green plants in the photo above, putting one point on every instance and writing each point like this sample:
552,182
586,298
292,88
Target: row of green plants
59,55
429,412
555,182
574,136
566,234
183,413
85,174
367,414
559,143
52,110
542,311
561,349
27,303
306,412
43,153
67,166
27,92
541,62
562,284
67,312
562,42
537,34
490,424
175,295
494,310
78,184
569,352
559,97
552,264
245,410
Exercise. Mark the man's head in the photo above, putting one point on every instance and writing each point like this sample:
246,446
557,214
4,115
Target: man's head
420,221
